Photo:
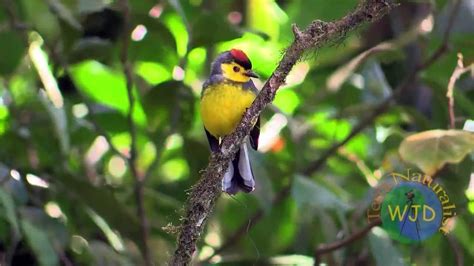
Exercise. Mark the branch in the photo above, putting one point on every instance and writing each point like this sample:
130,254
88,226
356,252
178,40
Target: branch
139,184
458,71
380,109
204,194
326,248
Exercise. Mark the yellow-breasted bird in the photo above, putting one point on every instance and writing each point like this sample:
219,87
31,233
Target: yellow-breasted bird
226,94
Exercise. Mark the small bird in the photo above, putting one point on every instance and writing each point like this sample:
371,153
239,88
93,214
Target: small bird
225,97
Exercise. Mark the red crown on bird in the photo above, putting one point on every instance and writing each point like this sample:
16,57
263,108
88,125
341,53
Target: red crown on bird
241,58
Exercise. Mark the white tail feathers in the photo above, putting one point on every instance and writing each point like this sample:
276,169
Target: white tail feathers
239,174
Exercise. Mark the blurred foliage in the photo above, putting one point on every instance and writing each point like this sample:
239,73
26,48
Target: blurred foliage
67,197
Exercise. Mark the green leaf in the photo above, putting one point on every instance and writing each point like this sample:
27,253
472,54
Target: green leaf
270,23
382,249
55,229
431,150
169,105
8,210
38,241
158,45
204,36
306,192
287,100
12,51
153,73
106,86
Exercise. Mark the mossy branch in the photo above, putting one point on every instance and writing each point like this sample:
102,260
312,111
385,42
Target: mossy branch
204,194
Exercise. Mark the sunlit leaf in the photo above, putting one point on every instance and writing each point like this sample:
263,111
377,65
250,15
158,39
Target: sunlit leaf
178,29
266,16
287,100
108,87
153,73
431,150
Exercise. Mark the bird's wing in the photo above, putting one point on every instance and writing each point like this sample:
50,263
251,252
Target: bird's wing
255,132
213,141
249,85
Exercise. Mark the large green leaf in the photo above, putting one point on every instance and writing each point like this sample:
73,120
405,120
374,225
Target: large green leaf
12,51
105,86
431,150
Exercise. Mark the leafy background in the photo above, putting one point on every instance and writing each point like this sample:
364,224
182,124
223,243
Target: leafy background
67,193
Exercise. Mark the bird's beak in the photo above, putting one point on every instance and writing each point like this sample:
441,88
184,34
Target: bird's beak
250,73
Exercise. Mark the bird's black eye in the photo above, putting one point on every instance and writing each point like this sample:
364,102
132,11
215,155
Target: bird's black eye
236,69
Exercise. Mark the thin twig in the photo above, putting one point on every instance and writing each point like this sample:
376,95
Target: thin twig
458,71
139,184
326,248
204,194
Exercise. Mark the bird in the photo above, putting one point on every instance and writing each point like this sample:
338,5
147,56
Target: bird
226,95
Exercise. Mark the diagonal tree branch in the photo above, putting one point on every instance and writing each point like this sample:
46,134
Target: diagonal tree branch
380,109
203,195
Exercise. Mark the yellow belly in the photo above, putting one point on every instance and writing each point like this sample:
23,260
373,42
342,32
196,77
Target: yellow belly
222,107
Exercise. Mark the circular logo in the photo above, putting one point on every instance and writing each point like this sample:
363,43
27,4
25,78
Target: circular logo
411,212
